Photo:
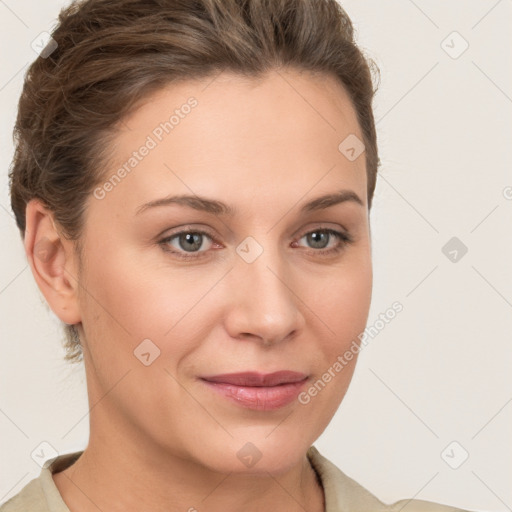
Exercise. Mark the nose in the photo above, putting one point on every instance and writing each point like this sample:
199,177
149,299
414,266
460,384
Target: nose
264,304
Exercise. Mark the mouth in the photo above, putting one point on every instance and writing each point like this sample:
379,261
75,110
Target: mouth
258,379
258,391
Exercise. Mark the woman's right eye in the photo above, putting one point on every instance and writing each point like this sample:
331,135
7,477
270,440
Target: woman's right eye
182,241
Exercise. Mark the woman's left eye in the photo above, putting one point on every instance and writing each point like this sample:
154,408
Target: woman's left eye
191,242
320,238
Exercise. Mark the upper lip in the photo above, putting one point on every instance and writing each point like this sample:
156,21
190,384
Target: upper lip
257,378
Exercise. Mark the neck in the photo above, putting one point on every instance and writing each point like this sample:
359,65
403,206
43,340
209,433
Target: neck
129,477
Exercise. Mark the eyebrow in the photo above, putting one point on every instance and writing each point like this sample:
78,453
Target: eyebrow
219,208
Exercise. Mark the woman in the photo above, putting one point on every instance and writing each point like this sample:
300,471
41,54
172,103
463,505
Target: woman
193,181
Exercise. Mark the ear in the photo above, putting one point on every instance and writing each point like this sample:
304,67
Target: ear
52,261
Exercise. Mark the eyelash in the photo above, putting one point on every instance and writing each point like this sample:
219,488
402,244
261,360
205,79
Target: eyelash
344,240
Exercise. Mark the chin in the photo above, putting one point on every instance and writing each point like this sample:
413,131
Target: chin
257,450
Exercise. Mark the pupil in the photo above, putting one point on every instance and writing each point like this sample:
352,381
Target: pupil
194,239
316,236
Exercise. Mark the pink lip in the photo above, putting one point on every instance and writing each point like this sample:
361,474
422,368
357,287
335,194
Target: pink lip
258,391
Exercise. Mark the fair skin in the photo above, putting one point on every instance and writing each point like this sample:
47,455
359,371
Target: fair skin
161,440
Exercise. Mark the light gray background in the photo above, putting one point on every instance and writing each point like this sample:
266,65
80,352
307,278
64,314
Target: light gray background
440,371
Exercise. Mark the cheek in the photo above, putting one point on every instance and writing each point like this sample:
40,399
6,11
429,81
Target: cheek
344,301
343,305
131,299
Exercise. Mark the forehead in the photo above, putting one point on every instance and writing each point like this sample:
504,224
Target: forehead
213,135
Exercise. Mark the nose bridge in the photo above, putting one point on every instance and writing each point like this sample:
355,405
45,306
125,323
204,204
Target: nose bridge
265,304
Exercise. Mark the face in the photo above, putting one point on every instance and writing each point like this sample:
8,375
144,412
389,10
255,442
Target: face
179,290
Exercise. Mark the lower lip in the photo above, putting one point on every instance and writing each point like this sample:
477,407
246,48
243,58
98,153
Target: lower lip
258,398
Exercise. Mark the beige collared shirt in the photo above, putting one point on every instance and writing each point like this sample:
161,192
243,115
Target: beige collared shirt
342,494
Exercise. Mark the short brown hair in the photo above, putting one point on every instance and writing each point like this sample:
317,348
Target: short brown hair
111,53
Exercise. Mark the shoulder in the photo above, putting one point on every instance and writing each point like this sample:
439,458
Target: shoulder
343,493
421,506
41,493
30,498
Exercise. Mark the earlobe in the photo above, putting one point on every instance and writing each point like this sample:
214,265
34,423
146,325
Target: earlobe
52,261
